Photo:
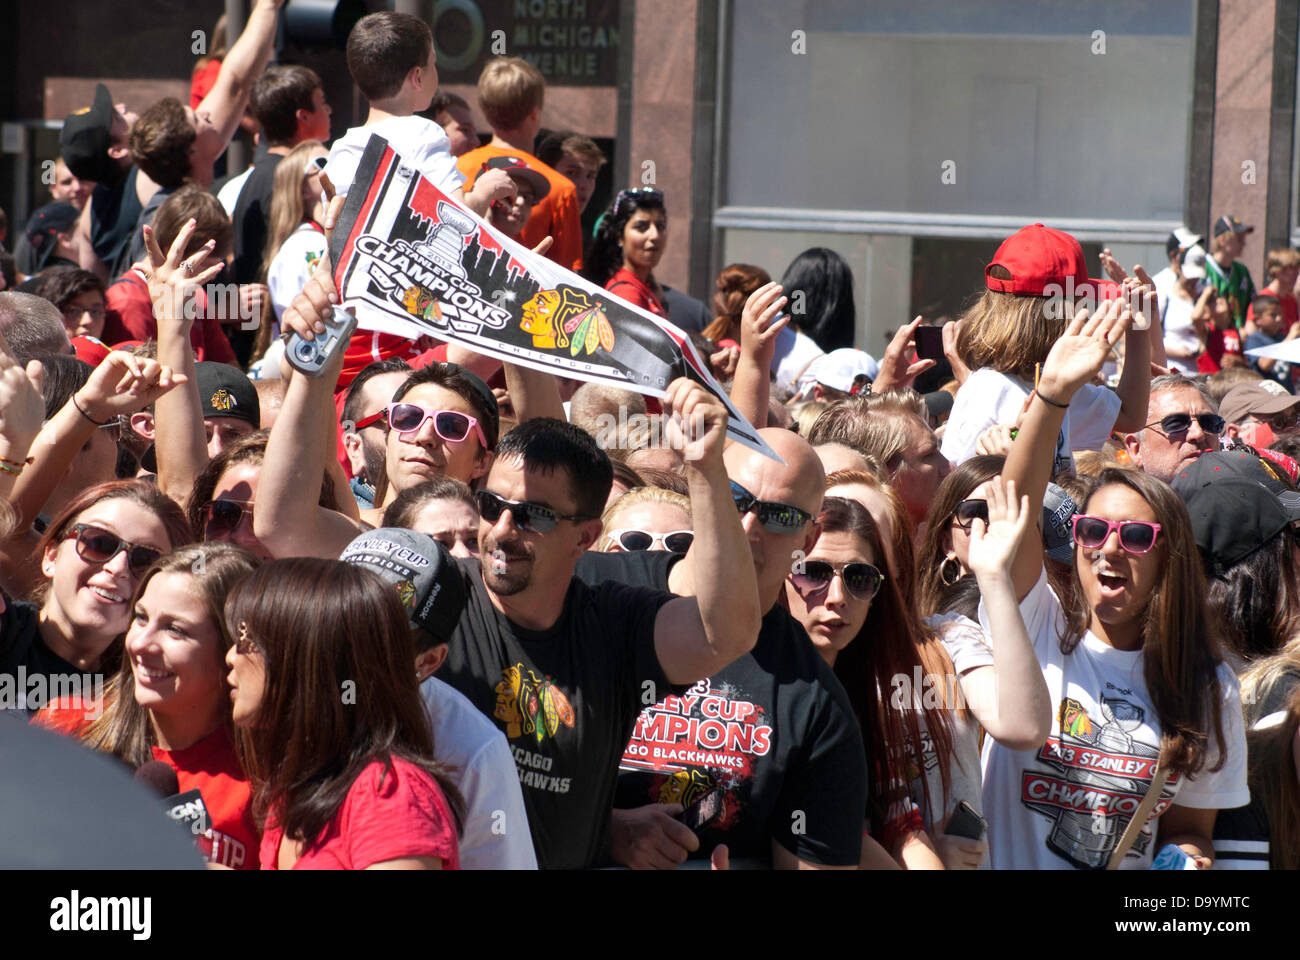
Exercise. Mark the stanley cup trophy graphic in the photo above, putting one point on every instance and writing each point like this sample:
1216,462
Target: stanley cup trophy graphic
1083,839
447,239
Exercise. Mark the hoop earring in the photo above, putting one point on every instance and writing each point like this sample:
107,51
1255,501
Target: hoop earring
950,570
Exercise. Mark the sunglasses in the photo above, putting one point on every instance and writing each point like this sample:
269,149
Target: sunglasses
861,579
406,418
651,194
679,541
968,511
97,545
222,517
525,515
1135,536
773,517
1177,423
1279,422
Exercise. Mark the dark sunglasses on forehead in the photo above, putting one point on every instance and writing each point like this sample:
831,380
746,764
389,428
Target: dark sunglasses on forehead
525,515
97,545
861,579
968,510
1178,423
649,194
772,516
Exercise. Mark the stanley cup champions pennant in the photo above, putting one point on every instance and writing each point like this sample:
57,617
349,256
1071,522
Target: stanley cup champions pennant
409,261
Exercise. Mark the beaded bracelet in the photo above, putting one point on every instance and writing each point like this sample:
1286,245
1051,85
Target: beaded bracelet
15,471
19,463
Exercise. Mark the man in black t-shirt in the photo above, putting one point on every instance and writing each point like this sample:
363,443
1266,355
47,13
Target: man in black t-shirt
764,756
565,668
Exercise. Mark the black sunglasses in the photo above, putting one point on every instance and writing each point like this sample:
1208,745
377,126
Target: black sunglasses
968,510
1177,423
97,545
860,578
224,516
774,517
524,515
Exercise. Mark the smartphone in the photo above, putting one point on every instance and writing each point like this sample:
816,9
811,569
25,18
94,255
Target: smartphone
703,812
310,357
965,822
929,343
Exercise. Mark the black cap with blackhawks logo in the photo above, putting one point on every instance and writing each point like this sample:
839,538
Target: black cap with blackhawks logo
224,391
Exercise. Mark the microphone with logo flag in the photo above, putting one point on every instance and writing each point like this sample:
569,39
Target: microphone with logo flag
185,808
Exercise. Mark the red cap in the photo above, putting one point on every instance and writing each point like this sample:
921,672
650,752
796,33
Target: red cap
90,350
1039,257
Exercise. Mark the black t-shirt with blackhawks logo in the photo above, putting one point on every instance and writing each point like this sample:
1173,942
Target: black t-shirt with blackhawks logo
566,699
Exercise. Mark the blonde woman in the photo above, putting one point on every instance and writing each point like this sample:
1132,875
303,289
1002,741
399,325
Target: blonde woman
647,518
295,237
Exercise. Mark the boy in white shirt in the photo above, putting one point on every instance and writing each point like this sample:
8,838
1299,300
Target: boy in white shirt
392,59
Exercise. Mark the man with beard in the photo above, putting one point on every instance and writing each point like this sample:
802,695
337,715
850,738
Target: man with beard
565,668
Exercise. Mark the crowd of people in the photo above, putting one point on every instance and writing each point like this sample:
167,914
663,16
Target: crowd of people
1032,604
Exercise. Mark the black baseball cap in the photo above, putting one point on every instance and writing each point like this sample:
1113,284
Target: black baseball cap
45,225
427,579
1230,223
86,136
224,391
1233,511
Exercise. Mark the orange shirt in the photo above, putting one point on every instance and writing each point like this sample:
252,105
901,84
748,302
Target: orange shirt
555,216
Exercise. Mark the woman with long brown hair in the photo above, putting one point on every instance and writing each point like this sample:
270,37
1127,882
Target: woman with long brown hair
169,700
1144,705
93,554
342,757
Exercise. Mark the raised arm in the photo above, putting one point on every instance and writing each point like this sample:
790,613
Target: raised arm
287,518
121,384
697,636
1075,359
1135,382
179,442
752,386
1009,698
222,109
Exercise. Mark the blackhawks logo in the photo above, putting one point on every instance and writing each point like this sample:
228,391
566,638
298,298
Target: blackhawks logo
421,303
222,400
566,318
406,593
529,705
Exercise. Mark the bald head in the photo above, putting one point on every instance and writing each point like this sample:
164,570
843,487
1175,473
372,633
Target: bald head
801,478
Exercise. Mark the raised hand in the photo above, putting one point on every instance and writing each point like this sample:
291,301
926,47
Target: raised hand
896,371
993,548
759,323
695,421
1082,350
173,279
22,408
123,383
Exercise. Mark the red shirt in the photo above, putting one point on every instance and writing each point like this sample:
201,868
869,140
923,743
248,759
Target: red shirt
385,816
626,285
1217,343
202,82
211,767
130,317
1290,309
